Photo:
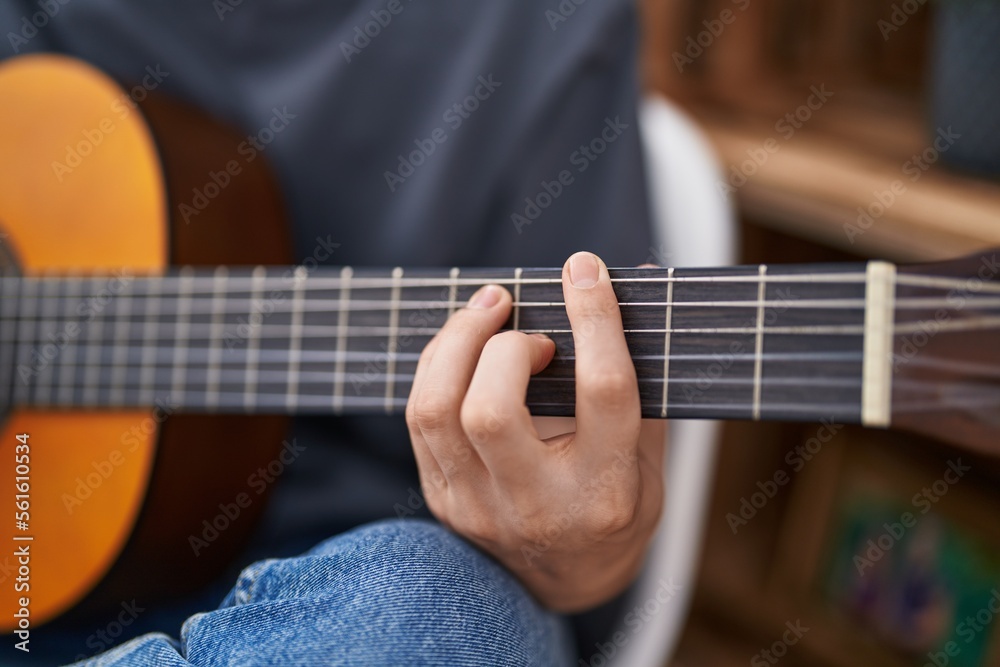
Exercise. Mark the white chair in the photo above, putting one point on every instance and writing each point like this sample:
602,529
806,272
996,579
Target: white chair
694,226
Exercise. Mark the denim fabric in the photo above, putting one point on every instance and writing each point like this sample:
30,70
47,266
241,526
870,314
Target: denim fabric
402,592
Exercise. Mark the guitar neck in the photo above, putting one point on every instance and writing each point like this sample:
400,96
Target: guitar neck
784,342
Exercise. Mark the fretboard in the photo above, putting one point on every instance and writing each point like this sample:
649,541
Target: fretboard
781,342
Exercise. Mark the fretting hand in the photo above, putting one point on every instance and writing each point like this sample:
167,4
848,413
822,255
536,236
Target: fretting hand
570,514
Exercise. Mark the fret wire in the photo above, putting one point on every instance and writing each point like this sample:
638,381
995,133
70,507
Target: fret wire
149,335
71,290
295,339
44,386
758,365
452,290
181,332
397,275
27,303
123,332
666,341
216,342
253,339
94,331
8,352
517,298
342,323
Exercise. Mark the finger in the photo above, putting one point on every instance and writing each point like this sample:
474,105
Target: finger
436,404
494,415
427,465
607,394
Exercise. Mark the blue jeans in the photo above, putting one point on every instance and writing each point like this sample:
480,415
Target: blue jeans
401,592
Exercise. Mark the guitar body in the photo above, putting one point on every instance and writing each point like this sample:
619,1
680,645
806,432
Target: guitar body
114,495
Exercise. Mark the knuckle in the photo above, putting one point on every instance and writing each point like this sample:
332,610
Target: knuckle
614,388
614,518
480,420
430,412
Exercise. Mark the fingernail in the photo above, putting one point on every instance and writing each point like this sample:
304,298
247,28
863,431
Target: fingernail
486,297
584,270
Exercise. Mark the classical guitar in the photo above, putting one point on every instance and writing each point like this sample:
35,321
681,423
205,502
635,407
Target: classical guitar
148,369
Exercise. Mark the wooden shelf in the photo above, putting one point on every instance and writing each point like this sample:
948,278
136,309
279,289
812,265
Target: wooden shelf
815,183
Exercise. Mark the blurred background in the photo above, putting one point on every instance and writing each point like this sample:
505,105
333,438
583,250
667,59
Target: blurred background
847,129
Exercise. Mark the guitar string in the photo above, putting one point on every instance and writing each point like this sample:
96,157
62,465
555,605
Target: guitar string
652,404
327,378
964,324
408,362
332,282
325,331
232,306
278,355
232,402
